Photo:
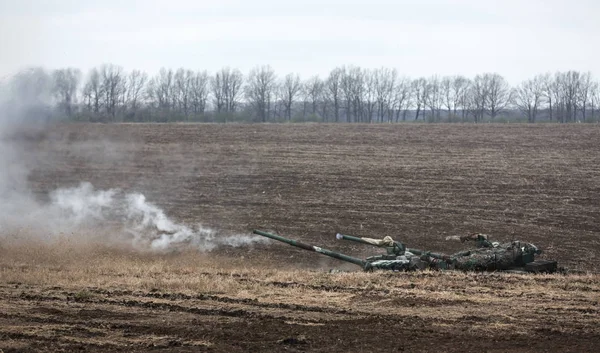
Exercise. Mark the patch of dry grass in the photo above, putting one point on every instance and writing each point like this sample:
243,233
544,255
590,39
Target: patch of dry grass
87,265
484,304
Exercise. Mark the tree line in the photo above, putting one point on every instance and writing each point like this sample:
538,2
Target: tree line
348,94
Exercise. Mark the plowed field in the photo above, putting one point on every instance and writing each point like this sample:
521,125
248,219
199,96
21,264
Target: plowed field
416,183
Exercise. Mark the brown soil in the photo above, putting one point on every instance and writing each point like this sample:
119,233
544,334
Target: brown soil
416,183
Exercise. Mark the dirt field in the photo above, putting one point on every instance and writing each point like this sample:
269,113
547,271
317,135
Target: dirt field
416,183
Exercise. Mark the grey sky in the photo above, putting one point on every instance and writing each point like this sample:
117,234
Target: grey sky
516,38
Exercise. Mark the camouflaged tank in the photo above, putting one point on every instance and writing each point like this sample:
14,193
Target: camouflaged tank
515,256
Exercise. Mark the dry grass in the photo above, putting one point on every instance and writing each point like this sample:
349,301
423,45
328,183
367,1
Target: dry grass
83,266
114,283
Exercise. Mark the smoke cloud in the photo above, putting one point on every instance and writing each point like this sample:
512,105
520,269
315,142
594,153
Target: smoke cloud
112,216
144,224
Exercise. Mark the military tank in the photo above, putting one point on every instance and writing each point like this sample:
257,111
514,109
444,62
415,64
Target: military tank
514,256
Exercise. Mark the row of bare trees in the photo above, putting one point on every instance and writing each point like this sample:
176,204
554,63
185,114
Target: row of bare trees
347,94
567,96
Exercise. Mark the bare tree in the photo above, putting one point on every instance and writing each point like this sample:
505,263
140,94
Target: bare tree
528,96
290,89
585,87
199,92
93,91
559,97
111,81
278,106
226,86
460,94
182,90
334,91
498,93
569,85
217,84
478,98
304,98
150,94
233,90
121,106
164,90
594,99
419,86
65,83
548,90
314,89
352,85
136,83
447,95
385,85
369,95
403,95
432,97
260,88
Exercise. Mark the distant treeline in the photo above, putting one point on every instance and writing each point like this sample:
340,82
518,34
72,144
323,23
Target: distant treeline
347,94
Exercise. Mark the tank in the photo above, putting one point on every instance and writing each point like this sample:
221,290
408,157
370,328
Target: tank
320,250
515,256
381,262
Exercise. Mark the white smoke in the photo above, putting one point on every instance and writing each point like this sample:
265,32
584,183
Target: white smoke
142,223
83,203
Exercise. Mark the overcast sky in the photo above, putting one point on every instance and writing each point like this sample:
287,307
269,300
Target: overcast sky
516,38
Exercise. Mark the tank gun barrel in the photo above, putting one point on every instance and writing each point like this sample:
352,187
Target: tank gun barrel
336,255
340,236
429,253
392,247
